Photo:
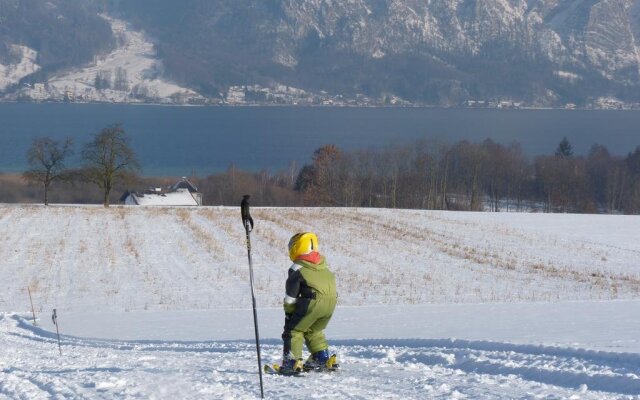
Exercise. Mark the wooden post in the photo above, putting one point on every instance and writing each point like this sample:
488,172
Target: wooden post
54,318
32,310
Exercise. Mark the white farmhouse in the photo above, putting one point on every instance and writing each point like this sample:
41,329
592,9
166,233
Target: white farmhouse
183,193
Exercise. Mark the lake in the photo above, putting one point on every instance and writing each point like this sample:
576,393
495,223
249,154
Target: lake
178,141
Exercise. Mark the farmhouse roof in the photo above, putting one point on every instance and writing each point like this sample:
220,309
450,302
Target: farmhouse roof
180,197
183,193
184,183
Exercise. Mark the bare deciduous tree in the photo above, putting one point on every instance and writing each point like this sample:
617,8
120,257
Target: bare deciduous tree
320,182
632,195
109,159
46,158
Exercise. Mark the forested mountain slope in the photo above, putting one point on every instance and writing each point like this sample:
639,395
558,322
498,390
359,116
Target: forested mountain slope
540,52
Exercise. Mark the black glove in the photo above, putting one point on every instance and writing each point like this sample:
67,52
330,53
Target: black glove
246,216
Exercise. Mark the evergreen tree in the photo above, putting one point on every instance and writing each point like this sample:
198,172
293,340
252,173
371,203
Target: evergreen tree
564,149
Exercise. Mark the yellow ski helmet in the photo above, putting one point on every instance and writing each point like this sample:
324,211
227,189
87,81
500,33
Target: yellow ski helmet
302,243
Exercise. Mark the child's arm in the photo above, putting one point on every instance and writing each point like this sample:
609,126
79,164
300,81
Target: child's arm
292,288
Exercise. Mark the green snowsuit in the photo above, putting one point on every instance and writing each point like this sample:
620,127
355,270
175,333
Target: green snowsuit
308,307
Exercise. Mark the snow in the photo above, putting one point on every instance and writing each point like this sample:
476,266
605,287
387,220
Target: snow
155,303
566,75
192,354
12,73
179,197
136,58
378,54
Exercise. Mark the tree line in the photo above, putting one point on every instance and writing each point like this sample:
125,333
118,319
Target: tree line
422,175
473,176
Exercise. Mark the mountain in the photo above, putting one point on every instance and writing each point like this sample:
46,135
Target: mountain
535,52
38,37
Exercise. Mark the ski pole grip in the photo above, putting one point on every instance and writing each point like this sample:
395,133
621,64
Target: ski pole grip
247,221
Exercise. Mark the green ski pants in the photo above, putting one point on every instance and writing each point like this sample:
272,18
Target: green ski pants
306,325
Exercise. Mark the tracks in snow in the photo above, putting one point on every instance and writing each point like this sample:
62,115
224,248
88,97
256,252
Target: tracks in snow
30,367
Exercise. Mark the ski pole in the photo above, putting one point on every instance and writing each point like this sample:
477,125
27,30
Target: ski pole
32,310
247,221
54,318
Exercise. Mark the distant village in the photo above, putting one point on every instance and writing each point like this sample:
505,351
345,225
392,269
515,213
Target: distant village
247,95
285,95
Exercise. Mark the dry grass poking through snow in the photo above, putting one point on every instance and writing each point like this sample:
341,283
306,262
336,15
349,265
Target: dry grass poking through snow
194,258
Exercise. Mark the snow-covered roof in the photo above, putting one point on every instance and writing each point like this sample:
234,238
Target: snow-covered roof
179,197
184,183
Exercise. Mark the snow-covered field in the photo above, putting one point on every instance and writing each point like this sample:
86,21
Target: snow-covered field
155,303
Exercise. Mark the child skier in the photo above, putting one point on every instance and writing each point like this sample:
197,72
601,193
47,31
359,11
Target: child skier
308,306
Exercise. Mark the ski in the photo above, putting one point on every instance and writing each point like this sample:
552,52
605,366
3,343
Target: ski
274,369
322,369
331,366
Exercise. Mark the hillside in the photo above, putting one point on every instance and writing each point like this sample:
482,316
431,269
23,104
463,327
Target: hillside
155,303
125,258
38,38
367,52
439,52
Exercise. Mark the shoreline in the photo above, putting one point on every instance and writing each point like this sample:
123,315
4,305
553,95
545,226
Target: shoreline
327,106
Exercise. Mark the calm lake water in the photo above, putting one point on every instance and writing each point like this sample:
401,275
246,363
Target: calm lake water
183,140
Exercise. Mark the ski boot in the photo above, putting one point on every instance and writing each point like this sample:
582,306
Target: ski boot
321,361
291,366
